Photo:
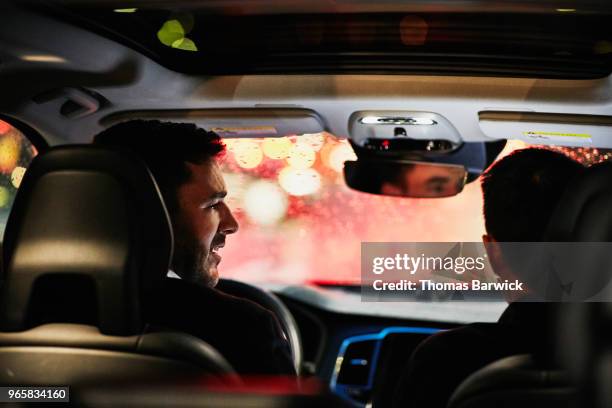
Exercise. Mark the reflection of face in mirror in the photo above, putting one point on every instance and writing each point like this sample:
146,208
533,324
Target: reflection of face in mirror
425,180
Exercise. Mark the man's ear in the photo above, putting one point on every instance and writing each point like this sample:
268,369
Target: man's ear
486,238
500,267
495,255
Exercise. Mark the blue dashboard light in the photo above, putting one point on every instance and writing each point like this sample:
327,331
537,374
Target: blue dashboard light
343,390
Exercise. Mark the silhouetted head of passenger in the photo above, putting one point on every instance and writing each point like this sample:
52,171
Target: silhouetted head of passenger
520,192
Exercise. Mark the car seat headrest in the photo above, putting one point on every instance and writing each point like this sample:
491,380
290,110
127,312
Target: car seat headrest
87,234
583,218
583,213
579,236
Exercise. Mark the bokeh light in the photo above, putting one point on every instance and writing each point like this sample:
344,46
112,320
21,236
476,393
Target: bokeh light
584,155
10,146
16,153
5,197
314,232
17,176
235,184
301,156
339,154
314,141
265,203
299,182
4,127
413,30
247,153
276,148
229,144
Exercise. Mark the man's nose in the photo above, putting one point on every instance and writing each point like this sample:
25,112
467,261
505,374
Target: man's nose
228,224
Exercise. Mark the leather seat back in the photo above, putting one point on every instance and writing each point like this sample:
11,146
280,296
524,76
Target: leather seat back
88,237
515,382
79,355
582,325
583,219
583,329
87,220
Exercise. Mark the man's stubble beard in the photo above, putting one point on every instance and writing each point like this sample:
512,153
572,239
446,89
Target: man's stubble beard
191,263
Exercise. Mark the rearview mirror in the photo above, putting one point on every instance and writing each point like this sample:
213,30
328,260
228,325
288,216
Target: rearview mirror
405,178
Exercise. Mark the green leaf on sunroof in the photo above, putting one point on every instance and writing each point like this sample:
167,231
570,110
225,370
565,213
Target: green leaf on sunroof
186,20
171,32
185,44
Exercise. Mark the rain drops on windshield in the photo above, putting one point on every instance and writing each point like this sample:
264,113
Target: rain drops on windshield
16,153
300,223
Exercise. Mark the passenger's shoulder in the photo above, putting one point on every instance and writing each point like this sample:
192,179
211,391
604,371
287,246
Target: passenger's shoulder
242,305
213,299
452,340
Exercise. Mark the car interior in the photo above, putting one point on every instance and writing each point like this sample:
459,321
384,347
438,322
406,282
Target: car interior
345,123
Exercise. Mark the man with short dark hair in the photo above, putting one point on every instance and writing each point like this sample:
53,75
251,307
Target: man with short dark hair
520,192
183,161
182,158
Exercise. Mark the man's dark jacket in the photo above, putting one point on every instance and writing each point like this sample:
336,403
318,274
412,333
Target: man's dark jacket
247,335
442,361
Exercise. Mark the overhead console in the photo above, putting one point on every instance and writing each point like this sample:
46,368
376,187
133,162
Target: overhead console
383,130
548,128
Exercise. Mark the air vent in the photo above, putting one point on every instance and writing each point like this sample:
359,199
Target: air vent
355,369
353,375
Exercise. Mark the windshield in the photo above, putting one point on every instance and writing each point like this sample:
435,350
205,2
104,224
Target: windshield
301,225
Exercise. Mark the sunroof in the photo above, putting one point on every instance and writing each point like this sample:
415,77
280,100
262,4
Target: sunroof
561,44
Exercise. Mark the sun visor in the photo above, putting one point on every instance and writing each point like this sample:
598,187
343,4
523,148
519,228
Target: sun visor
241,123
548,128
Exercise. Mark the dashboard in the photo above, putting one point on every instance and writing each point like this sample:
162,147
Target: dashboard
361,357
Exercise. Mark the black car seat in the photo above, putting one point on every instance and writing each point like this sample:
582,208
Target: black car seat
582,219
516,381
87,237
583,328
